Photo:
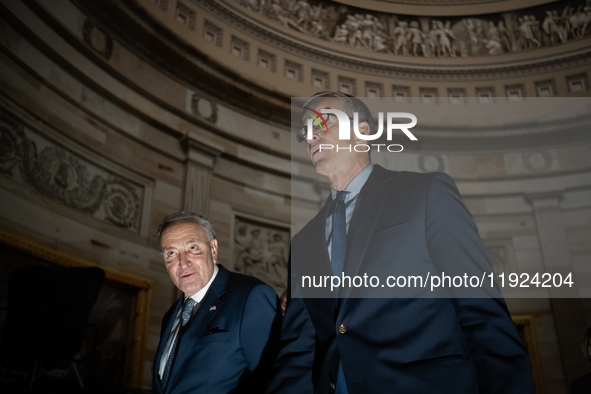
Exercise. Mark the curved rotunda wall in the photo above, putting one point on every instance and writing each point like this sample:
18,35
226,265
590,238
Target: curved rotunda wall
278,51
143,137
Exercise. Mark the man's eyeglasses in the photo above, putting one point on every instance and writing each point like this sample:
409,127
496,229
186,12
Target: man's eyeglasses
319,125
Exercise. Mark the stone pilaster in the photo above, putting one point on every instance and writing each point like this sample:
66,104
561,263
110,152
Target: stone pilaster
199,164
565,301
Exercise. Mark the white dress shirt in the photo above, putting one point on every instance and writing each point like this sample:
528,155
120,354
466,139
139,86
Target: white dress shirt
177,321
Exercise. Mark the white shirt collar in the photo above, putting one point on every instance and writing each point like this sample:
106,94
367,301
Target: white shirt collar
355,186
201,293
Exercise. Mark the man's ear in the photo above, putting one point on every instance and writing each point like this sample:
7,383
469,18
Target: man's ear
363,129
213,244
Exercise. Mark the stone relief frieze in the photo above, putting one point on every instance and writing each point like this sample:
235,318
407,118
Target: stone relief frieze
31,159
498,258
421,36
440,2
501,254
261,250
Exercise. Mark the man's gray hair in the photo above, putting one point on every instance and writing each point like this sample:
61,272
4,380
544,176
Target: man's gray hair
352,104
183,215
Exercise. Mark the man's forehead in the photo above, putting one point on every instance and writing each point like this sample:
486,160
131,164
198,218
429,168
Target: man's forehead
188,225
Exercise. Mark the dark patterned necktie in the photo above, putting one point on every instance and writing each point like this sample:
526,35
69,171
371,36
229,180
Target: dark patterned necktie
187,309
339,234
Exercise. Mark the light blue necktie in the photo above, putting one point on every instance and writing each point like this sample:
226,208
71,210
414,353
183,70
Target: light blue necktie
187,309
338,252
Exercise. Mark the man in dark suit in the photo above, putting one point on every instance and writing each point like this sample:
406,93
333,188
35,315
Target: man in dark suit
381,221
221,335
583,384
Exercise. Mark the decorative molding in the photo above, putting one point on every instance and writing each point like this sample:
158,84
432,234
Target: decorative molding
267,60
320,79
401,93
193,147
502,254
431,163
546,88
515,92
230,96
362,64
538,161
498,258
546,200
486,95
203,108
240,48
35,161
293,70
347,85
260,99
429,95
213,33
457,96
184,15
97,39
425,36
162,4
441,2
441,139
374,89
577,83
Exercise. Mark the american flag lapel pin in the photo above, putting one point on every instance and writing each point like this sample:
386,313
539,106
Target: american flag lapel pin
212,308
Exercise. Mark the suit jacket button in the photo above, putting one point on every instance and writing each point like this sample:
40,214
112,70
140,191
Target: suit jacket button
342,328
333,385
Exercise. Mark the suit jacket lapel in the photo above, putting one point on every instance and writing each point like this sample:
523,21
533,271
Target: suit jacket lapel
372,198
164,340
310,254
310,257
196,326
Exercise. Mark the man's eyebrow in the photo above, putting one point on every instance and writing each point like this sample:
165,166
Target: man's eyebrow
323,108
186,243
